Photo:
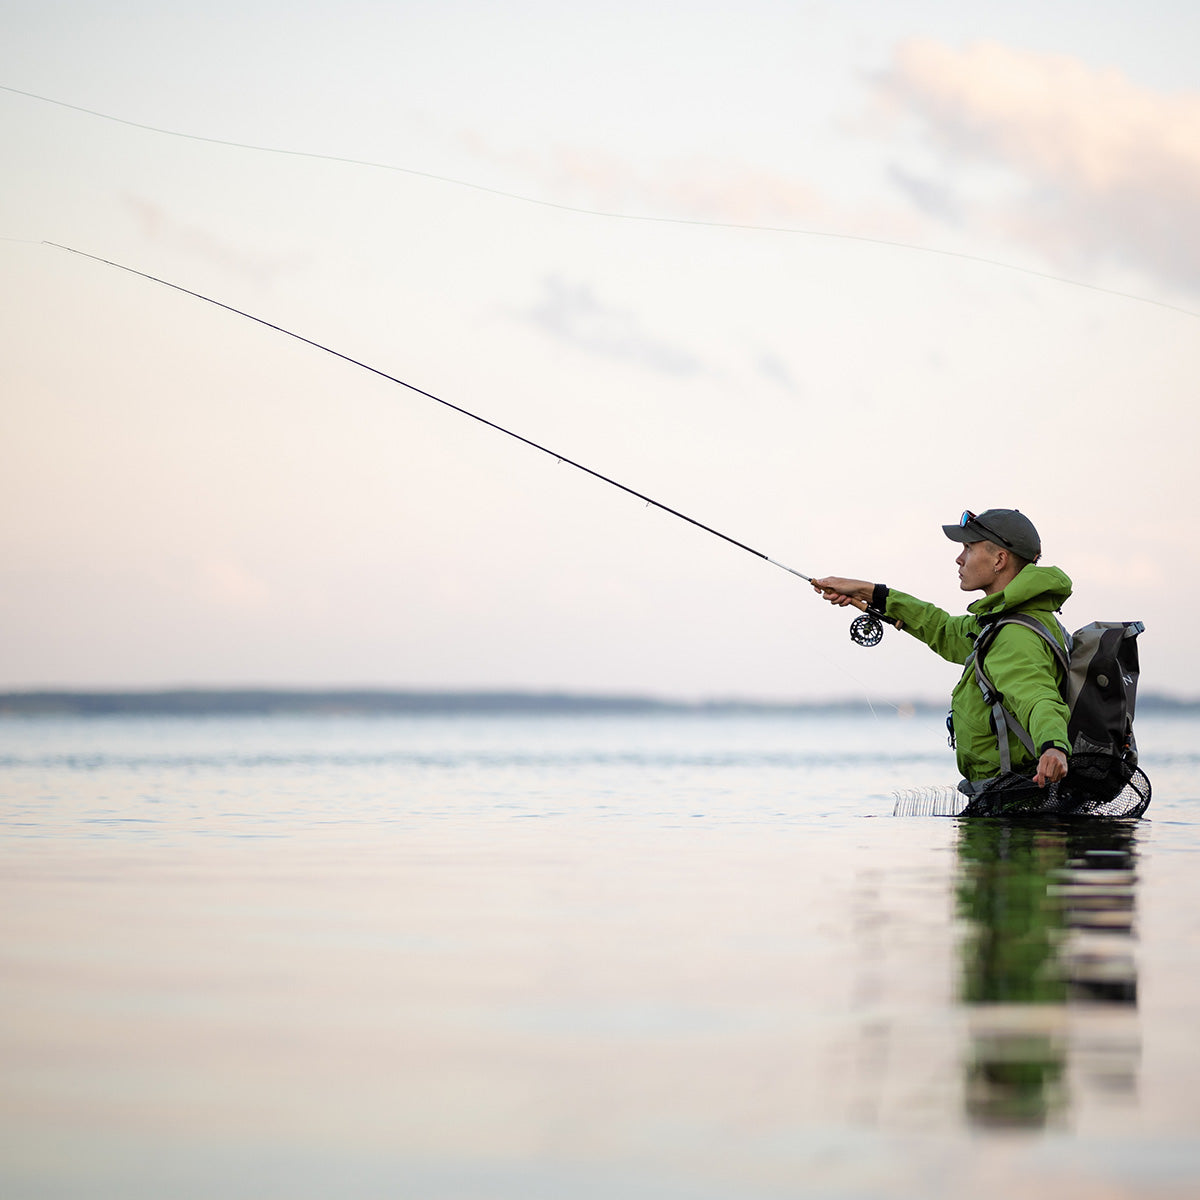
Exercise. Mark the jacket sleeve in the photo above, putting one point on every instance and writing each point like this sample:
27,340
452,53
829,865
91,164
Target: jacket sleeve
945,635
1023,669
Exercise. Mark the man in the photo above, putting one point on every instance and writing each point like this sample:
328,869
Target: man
1000,549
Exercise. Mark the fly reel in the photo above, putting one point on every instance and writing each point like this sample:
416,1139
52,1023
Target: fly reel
866,630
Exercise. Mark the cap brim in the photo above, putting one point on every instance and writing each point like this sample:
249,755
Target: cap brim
963,533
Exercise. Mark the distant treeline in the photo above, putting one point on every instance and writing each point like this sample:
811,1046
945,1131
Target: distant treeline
196,702
191,702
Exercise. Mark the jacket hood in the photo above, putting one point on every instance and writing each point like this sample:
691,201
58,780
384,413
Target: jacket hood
1047,584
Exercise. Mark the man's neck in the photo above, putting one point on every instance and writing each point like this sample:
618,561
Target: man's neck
1000,582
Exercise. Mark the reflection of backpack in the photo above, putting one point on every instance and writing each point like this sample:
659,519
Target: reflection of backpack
1099,684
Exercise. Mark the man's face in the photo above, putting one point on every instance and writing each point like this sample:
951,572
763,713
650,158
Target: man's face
976,566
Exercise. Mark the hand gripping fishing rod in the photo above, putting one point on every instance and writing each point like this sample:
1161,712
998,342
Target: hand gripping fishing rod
865,630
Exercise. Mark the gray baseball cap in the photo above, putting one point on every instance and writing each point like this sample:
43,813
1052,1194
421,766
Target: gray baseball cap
1005,526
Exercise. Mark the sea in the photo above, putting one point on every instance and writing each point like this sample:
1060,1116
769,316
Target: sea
646,956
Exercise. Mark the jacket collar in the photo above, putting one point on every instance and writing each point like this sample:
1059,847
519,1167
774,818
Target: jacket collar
1048,585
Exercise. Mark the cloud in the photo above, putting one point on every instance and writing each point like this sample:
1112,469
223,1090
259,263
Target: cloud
771,367
697,187
572,313
156,224
1101,170
737,193
933,197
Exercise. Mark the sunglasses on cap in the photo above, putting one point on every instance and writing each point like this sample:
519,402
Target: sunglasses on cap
969,518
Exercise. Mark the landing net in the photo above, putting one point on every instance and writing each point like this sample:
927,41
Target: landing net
1097,785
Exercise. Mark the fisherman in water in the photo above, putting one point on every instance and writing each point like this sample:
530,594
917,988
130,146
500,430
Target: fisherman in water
1000,549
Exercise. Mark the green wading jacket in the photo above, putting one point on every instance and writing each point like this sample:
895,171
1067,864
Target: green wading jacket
1019,664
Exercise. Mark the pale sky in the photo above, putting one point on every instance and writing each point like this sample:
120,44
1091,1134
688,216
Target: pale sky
189,498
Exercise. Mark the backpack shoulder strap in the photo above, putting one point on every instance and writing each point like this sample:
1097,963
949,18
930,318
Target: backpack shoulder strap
1002,719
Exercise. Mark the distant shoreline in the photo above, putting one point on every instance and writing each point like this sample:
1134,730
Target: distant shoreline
386,702
195,702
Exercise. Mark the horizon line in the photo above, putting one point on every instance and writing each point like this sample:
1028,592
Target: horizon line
258,699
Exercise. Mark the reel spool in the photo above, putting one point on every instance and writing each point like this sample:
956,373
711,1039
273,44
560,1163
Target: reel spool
866,630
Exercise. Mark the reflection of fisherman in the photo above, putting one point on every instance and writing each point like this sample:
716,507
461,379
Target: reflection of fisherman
999,550
1047,918
1012,933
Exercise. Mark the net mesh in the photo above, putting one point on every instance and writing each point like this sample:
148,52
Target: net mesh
1097,785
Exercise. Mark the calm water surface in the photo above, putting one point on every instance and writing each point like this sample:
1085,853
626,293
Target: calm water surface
482,957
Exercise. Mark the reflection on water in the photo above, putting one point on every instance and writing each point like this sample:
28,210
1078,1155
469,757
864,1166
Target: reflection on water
1049,913
506,960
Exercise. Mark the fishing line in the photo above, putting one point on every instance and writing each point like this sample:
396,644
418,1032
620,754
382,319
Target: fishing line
866,630
608,214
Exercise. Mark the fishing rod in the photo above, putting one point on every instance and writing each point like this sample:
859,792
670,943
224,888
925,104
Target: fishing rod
865,630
